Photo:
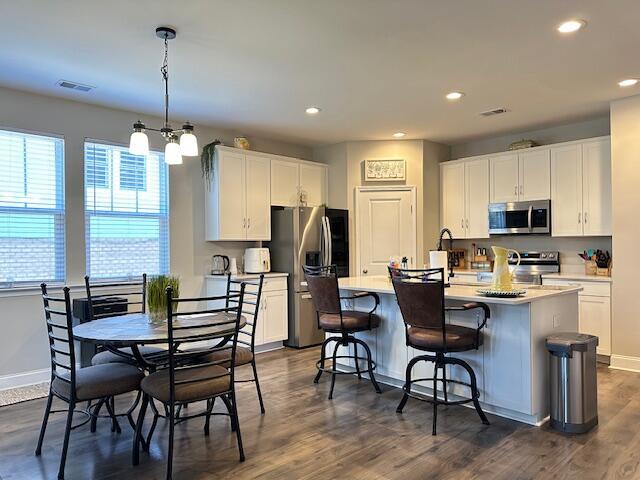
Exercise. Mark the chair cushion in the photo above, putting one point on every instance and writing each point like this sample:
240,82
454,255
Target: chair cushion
110,357
458,338
205,382
243,356
101,381
352,321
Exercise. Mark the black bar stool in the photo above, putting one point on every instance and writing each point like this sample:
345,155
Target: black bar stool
323,286
420,295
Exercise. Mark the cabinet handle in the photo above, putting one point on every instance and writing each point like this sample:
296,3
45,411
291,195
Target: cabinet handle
244,223
467,222
585,217
521,189
249,222
579,217
515,190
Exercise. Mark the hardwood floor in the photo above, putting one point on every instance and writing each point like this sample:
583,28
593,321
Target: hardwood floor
357,435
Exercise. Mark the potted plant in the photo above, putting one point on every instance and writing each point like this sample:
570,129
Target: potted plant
207,160
157,295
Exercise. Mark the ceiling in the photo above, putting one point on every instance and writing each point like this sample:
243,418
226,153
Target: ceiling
375,67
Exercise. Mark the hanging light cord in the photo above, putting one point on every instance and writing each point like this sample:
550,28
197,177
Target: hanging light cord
165,75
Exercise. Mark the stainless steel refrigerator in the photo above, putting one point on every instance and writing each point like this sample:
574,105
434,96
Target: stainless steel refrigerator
307,236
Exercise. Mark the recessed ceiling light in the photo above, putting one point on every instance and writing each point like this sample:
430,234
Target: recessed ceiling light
628,82
312,110
399,134
571,26
455,95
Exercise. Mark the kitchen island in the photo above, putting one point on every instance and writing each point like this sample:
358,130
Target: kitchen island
511,365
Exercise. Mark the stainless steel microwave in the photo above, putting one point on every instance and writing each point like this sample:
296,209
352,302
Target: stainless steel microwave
520,218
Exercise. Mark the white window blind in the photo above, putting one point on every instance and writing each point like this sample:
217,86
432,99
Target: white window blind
126,212
31,209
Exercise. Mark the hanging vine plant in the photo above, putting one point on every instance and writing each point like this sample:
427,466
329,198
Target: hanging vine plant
207,160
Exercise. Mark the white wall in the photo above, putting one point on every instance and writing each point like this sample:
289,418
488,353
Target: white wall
625,178
594,127
23,344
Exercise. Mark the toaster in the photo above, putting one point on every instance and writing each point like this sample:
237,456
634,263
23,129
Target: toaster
257,260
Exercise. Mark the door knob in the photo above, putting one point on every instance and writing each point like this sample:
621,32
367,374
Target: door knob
365,271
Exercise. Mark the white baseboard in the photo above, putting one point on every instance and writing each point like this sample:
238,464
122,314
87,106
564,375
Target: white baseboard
24,379
268,347
622,362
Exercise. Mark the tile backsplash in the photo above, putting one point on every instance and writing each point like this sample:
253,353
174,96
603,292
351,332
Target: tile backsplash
567,246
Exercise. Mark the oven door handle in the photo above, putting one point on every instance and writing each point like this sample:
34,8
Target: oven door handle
530,217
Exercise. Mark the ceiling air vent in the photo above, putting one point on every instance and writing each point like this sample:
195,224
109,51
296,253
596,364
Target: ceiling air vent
74,86
495,111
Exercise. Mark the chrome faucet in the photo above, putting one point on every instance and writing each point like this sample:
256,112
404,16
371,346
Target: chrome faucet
449,254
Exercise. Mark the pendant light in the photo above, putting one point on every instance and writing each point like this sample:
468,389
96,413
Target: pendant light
173,152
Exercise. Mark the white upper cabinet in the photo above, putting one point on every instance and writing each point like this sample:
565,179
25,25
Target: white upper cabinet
465,198
504,178
257,171
476,177
284,183
534,174
566,191
596,187
516,177
313,183
581,189
452,198
238,198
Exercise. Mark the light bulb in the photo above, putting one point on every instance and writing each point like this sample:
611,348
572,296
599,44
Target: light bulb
189,144
172,155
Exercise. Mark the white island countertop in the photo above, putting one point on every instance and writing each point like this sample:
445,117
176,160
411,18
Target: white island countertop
467,293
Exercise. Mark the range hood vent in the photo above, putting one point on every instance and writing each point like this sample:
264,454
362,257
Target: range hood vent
74,86
495,111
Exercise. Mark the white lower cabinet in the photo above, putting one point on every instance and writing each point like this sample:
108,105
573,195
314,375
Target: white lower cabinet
594,307
272,323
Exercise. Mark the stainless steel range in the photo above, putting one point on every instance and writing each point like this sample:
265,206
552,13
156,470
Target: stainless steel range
532,266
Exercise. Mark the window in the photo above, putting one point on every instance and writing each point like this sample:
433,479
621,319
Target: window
127,214
133,175
31,209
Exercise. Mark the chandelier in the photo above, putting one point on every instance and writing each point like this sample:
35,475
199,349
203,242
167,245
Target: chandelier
173,152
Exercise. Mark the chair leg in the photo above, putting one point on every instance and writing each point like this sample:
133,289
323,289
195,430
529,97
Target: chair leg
255,378
475,393
444,382
237,422
210,403
355,354
138,432
172,424
407,386
154,422
45,420
372,377
110,405
65,442
323,352
94,416
227,404
435,398
333,374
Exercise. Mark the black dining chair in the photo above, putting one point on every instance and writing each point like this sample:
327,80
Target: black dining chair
420,295
112,299
73,385
184,381
245,353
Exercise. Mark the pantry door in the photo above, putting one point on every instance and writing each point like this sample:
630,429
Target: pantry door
385,227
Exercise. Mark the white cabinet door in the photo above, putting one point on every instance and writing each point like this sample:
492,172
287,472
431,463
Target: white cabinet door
258,186
566,191
313,183
274,319
504,178
284,183
231,196
452,198
595,319
476,178
534,173
596,187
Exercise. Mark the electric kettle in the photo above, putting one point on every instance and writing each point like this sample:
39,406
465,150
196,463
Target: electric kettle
219,265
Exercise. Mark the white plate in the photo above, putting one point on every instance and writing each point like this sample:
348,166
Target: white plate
489,292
